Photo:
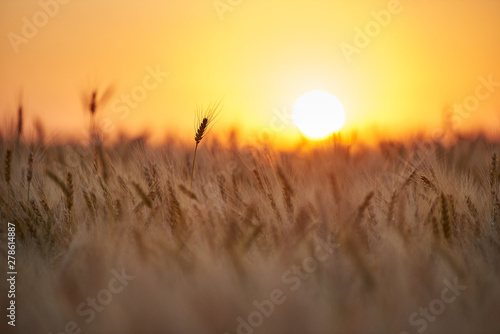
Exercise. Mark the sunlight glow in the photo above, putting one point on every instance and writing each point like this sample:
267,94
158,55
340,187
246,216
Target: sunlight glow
318,114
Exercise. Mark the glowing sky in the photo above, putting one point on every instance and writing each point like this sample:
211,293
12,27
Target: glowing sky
260,55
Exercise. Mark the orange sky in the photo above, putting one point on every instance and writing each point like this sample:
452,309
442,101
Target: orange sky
260,55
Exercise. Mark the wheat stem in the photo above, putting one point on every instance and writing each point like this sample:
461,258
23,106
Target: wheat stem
8,161
29,175
192,168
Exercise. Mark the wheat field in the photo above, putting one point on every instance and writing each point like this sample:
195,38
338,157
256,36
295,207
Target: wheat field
399,238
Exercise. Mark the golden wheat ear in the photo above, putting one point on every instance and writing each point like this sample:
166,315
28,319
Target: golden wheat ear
204,122
205,119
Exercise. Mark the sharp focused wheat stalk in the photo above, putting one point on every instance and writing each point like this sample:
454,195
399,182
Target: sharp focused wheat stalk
204,121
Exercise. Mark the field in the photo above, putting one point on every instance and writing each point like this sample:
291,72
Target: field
397,238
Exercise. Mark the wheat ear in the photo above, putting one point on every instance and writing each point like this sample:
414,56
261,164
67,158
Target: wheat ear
445,217
204,120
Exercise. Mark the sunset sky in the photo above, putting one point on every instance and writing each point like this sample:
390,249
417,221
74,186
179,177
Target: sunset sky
261,56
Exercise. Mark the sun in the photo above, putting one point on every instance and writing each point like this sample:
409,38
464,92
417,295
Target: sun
318,114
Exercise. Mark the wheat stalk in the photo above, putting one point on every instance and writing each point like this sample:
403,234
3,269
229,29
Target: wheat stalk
92,107
390,207
118,210
19,122
236,190
274,206
36,210
67,189
452,210
174,208
43,200
428,184
88,202
493,170
493,179
188,192
362,208
8,162
58,181
472,208
142,194
150,182
287,191
445,217
221,180
93,103
102,158
69,196
204,121
259,180
334,187
29,175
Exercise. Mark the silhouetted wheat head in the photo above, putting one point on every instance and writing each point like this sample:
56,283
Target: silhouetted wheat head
203,124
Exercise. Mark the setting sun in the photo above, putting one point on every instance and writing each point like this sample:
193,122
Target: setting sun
318,114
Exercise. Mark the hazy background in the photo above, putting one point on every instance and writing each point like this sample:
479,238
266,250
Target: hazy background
261,57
